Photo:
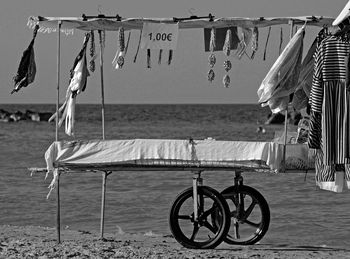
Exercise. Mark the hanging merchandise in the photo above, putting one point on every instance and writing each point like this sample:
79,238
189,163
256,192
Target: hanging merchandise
92,51
127,43
212,58
77,84
282,78
220,36
148,58
246,37
160,57
302,91
138,46
267,40
227,63
226,81
227,44
118,60
255,42
170,58
281,42
27,67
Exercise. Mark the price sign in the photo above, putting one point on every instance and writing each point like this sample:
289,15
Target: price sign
159,36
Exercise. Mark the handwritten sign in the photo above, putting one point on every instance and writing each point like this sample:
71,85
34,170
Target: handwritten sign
159,36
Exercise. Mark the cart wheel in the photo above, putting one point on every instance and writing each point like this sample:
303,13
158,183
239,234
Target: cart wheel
201,233
250,215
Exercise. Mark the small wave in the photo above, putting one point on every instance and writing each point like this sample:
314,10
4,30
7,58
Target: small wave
151,234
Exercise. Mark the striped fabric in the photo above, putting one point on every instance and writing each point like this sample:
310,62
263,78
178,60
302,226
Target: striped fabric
335,122
315,130
325,174
330,110
330,65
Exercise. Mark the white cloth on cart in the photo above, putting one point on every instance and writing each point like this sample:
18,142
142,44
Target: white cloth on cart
107,152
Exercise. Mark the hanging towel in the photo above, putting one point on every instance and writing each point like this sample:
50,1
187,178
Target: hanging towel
27,67
281,81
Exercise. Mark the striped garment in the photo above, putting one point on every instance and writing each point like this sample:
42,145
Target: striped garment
325,174
330,107
330,65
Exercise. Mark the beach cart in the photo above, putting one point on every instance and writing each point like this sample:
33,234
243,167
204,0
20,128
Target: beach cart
200,217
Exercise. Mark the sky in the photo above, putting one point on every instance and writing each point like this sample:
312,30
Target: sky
184,81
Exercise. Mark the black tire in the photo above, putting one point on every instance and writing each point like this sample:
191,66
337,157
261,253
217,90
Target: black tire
249,226
201,234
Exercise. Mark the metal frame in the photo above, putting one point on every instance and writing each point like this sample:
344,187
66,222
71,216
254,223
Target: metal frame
196,170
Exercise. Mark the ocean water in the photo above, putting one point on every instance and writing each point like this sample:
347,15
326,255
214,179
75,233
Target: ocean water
139,202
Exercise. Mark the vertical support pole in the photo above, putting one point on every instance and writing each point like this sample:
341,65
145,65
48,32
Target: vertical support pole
58,225
58,216
101,35
195,182
103,200
291,23
58,72
105,174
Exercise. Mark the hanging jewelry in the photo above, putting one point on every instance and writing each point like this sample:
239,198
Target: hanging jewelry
255,42
120,60
212,58
92,51
227,64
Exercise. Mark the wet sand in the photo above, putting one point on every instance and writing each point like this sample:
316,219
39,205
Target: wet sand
40,242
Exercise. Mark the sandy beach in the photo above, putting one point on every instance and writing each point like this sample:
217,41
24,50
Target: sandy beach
40,242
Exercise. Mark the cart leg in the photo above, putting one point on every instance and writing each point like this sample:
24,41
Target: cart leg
238,181
103,201
197,181
58,215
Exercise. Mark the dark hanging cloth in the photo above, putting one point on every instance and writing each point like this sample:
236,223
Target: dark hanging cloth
27,67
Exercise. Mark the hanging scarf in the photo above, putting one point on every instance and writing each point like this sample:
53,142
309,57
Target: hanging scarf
27,67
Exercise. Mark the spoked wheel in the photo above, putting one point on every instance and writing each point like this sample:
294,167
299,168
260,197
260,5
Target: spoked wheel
201,233
250,215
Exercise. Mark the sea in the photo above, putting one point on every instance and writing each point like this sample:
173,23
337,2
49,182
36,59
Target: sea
139,202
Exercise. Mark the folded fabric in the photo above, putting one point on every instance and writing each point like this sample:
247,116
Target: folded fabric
282,78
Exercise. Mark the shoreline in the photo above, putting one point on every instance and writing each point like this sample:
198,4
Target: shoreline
40,242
